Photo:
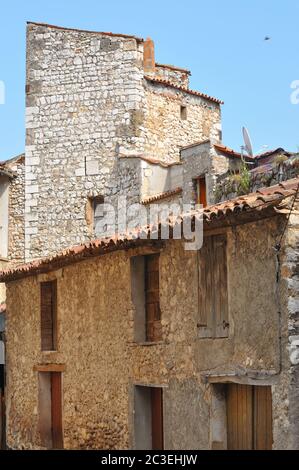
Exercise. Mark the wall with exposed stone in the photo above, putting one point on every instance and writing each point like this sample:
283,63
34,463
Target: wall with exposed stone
198,160
87,104
102,361
16,211
176,76
85,99
228,184
166,132
288,406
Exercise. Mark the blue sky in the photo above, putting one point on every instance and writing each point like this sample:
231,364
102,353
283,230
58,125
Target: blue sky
222,42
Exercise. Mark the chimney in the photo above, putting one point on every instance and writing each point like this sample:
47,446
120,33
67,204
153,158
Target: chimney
149,64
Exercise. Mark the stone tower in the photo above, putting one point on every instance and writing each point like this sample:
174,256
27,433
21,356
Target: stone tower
93,102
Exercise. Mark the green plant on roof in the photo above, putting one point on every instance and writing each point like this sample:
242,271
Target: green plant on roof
280,159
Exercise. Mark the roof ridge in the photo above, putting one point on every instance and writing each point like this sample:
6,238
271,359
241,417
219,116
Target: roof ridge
46,25
244,204
184,89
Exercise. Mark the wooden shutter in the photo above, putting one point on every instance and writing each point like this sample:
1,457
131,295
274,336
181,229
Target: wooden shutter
205,287
56,410
220,286
239,417
157,418
152,298
212,288
201,191
48,315
262,418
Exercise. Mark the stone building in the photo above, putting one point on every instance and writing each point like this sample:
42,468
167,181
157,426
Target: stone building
94,101
147,345
162,342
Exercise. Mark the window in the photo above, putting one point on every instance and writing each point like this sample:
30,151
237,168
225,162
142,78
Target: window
183,113
200,190
50,409
212,288
148,418
48,292
249,417
146,297
94,214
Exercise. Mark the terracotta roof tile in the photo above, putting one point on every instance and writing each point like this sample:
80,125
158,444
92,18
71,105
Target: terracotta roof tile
185,90
158,197
254,203
230,152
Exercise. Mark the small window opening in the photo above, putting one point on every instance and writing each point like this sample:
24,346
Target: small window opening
184,113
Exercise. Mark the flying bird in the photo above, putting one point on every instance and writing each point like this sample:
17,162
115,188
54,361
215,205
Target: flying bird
267,38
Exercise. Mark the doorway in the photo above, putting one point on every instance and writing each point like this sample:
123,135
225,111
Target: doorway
50,409
249,417
148,418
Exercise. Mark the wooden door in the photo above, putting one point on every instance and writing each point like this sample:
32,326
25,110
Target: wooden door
56,410
152,298
262,418
157,418
249,417
201,190
239,417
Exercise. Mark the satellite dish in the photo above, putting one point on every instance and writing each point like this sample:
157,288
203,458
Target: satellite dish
247,141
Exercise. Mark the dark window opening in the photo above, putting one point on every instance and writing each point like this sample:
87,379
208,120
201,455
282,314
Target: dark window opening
183,113
48,293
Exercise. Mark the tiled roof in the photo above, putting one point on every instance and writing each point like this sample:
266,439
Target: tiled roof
185,90
272,152
260,200
85,31
227,150
253,204
233,153
5,172
158,197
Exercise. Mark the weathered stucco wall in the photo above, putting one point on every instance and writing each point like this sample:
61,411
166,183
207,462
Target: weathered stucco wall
166,132
96,344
